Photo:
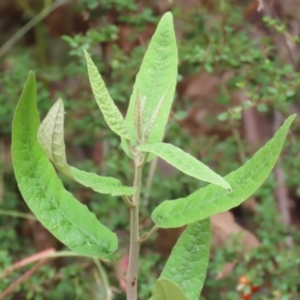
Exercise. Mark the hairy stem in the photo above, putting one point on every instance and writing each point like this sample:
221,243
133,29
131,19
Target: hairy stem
134,249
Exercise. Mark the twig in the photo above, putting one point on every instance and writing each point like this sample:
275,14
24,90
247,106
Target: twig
17,214
127,201
115,267
134,248
21,279
149,182
281,38
49,253
40,16
148,234
237,137
281,190
109,294
260,6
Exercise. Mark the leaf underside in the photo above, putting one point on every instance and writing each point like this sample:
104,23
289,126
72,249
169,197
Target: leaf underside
212,199
101,184
111,113
155,80
185,163
188,262
165,289
51,138
67,219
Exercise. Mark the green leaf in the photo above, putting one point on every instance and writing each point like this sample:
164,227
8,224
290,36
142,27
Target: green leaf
68,220
51,138
211,199
185,163
188,262
156,80
101,184
167,290
111,113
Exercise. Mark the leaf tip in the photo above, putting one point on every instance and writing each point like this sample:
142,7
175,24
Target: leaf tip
168,15
31,74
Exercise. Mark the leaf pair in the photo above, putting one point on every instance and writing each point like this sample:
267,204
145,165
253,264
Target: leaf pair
153,91
212,199
69,220
150,105
51,138
155,84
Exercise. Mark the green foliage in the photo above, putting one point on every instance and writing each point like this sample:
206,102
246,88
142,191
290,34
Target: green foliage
188,261
155,83
211,199
76,227
51,138
266,82
265,265
165,289
185,163
264,78
111,114
67,219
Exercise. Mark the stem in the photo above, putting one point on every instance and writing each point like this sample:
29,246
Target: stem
134,249
149,182
104,277
148,234
40,16
17,214
127,201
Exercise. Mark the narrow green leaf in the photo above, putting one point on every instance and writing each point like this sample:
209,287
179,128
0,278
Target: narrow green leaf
185,163
111,113
165,289
158,74
68,220
101,184
51,138
211,199
188,262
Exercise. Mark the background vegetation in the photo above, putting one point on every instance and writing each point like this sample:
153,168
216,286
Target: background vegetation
238,79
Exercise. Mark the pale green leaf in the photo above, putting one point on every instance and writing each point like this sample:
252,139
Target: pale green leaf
156,77
66,218
188,262
101,184
165,289
51,138
111,113
185,163
211,199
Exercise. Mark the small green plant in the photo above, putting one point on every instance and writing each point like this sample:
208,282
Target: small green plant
141,133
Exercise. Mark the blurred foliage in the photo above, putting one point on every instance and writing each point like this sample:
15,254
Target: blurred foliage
213,39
